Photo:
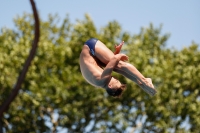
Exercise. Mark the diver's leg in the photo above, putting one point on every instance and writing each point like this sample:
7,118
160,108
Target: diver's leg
129,71
104,54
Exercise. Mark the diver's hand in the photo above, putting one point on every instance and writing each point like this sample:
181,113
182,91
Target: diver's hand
121,57
118,47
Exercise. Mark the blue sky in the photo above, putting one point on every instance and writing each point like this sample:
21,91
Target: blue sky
180,18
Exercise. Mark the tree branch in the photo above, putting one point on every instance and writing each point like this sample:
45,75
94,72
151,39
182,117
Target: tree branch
22,75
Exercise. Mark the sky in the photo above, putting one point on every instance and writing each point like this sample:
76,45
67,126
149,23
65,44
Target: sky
179,18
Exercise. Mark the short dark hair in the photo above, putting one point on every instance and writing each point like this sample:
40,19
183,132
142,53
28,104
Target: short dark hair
116,92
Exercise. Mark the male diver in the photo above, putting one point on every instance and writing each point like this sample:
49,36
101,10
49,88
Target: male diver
97,63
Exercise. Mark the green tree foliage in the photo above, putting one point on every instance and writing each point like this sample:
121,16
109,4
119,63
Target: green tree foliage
55,96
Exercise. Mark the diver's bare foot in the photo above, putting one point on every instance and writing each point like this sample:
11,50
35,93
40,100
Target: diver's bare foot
147,86
150,82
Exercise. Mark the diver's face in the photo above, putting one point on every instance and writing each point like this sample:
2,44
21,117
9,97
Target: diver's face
114,83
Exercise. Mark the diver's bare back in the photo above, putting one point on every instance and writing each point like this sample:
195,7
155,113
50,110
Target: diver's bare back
89,67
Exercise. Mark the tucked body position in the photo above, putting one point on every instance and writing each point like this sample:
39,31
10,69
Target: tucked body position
97,63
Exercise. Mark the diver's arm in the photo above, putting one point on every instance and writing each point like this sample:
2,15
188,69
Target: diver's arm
112,64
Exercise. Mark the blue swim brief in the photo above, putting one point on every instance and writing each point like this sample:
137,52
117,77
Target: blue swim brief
91,44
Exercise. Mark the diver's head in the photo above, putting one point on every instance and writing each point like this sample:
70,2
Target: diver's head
115,88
